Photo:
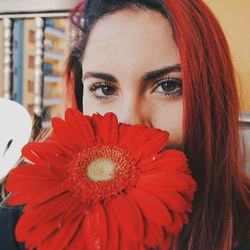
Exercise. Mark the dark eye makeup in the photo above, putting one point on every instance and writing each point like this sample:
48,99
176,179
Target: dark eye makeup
168,87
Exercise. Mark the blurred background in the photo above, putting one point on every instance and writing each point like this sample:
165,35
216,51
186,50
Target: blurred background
35,37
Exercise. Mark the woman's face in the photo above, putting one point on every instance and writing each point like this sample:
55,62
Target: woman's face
131,67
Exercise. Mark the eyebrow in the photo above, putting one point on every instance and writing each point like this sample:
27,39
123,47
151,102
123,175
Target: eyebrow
146,77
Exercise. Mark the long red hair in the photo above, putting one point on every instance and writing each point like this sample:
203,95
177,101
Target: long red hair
220,215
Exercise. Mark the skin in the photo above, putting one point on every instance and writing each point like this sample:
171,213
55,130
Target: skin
127,45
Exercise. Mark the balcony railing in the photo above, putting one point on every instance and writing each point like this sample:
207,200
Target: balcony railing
13,10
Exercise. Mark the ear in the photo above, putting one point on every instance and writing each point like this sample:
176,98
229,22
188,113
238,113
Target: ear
15,131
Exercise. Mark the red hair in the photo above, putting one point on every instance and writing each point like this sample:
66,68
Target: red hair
211,112
211,131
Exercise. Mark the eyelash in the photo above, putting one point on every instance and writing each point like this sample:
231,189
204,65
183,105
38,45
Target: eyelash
177,81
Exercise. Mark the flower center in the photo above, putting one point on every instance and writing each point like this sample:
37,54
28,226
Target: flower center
101,170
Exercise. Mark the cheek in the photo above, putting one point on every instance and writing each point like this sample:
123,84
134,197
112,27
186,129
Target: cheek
170,118
88,105
91,105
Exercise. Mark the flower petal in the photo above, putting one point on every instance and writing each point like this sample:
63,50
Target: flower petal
106,128
162,182
175,201
177,224
81,126
75,210
78,241
127,243
152,146
33,172
90,237
113,241
17,199
129,216
32,186
29,153
46,196
154,235
152,208
98,226
166,160
65,234
142,133
45,213
167,241
23,233
65,135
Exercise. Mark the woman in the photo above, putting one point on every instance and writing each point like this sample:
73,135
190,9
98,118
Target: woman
166,64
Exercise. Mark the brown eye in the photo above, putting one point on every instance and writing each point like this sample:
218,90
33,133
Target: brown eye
102,91
170,87
108,90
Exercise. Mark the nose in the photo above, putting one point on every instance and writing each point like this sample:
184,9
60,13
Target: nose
134,111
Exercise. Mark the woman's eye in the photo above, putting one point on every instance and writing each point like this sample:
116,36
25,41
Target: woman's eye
169,87
102,90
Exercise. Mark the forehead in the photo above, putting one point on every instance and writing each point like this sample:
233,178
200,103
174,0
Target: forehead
130,37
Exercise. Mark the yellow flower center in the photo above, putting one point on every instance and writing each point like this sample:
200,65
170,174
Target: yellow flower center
101,170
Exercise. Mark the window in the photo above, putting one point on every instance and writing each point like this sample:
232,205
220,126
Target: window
31,62
30,86
32,38
47,91
50,22
47,68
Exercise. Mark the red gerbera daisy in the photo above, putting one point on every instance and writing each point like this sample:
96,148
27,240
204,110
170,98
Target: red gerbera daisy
96,184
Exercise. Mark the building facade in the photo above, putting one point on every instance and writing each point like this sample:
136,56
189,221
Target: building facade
56,44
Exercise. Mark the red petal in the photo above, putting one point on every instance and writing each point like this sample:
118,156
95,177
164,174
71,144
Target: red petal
75,210
17,199
87,235
48,236
47,195
133,137
176,226
81,126
152,207
162,183
30,154
175,201
184,217
33,172
142,247
167,242
113,231
126,242
65,234
65,135
27,185
43,214
101,221
163,161
129,217
172,199
106,128
78,241
152,146
51,154
24,233
154,236
94,232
